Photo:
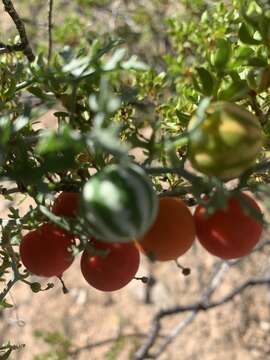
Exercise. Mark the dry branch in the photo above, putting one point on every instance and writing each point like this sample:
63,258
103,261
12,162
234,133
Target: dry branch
193,309
23,45
50,15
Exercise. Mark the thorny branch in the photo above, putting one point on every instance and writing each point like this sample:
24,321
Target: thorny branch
23,45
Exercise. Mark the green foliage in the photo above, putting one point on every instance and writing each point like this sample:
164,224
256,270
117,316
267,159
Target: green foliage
58,343
7,349
116,348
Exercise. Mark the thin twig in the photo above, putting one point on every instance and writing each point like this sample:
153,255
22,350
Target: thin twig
184,190
172,170
174,333
7,288
14,265
24,45
4,191
105,342
50,26
256,107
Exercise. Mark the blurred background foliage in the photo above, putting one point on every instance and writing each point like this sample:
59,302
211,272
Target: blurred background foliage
160,59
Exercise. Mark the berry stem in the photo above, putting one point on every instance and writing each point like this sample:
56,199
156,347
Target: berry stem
143,279
185,271
64,288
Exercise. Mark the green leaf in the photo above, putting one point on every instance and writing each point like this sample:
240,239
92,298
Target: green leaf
115,60
206,81
251,18
257,61
98,50
236,91
61,222
105,102
223,53
264,28
20,122
243,54
5,305
259,79
246,37
183,117
200,113
134,64
108,140
51,141
264,4
6,355
79,67
39,93
250,210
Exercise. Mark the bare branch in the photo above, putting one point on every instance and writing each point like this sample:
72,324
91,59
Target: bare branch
175,332
195,308
50,26
214,282
24,45
101,343
202,305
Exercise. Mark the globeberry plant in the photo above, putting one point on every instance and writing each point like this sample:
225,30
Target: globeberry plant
139,141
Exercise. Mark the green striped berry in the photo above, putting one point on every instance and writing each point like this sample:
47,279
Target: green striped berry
226,142
119,203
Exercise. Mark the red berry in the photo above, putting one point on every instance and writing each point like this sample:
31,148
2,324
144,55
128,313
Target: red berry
66,204
172,233
45,251
228,233
113,271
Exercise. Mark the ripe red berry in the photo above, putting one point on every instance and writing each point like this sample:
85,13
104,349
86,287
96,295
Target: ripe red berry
66,204
228,233
45,251
113,271
172,233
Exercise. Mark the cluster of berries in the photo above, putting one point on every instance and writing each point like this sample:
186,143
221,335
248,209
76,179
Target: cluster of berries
227,233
